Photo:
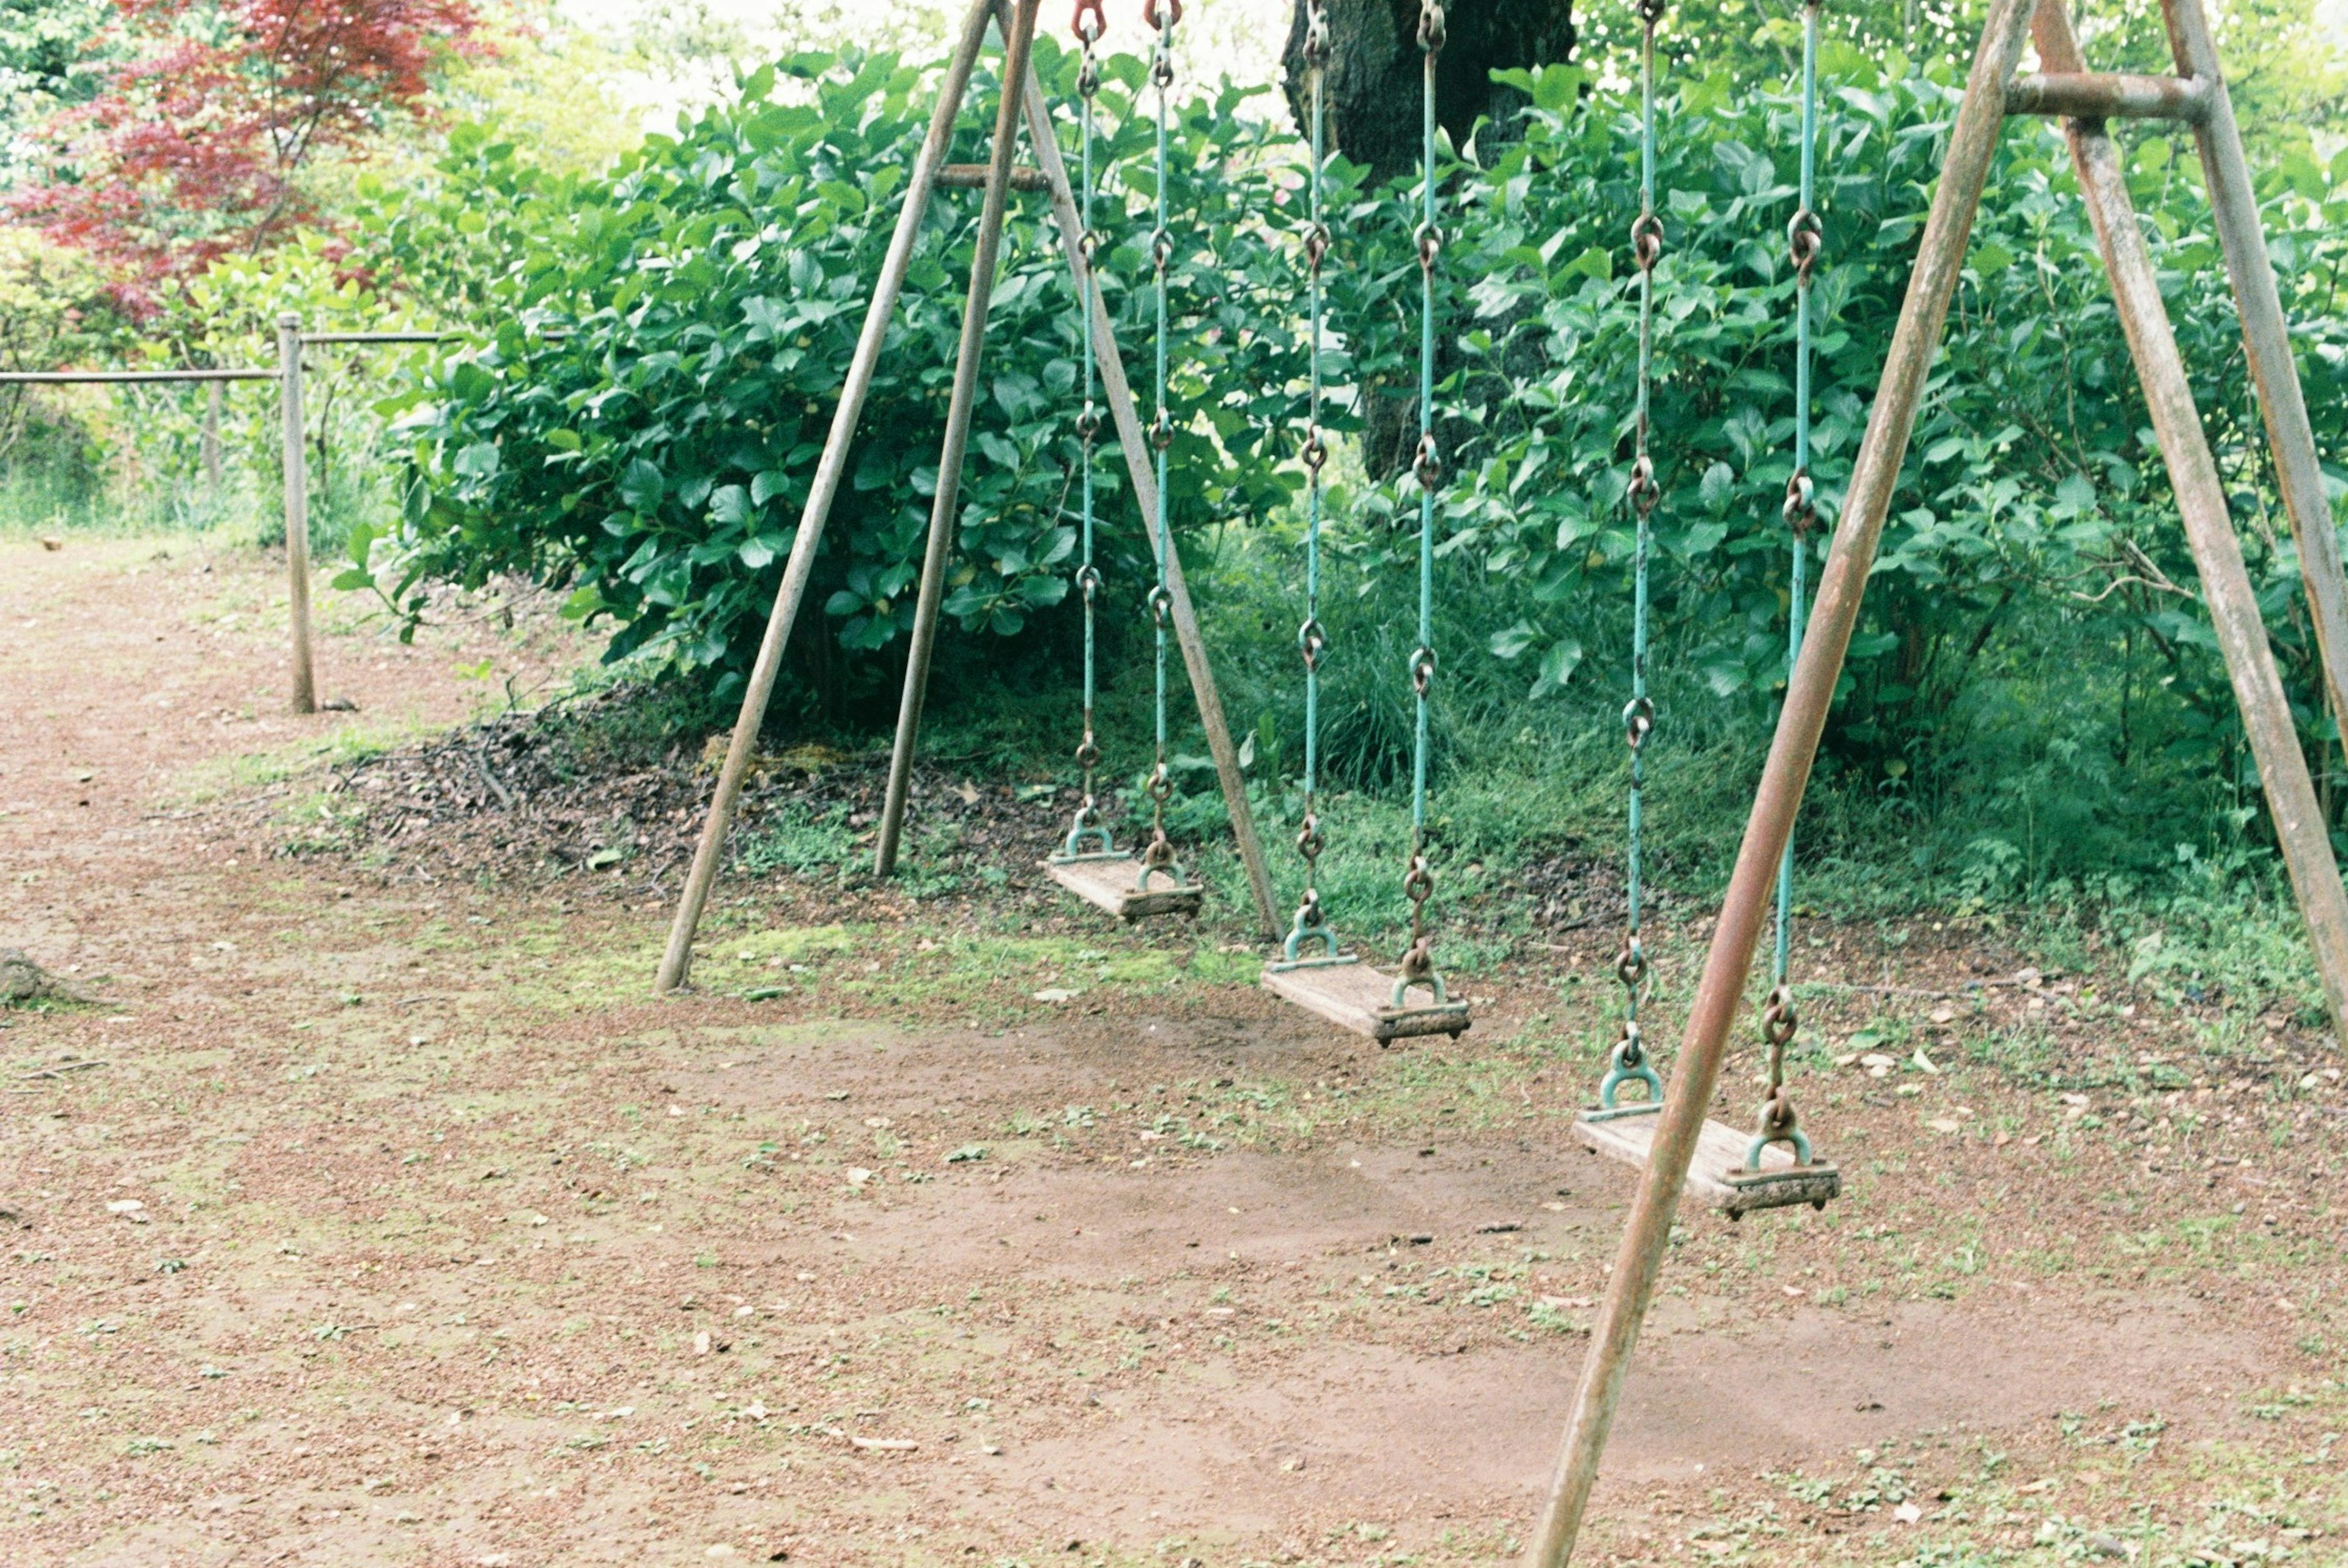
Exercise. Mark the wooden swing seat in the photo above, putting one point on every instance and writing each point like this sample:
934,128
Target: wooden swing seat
1359,998
1108,882
1626,1135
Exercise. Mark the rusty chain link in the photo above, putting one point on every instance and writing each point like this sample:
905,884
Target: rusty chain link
1310,924
1086,834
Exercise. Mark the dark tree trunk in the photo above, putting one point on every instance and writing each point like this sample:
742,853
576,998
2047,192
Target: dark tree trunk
1375,64
1374,104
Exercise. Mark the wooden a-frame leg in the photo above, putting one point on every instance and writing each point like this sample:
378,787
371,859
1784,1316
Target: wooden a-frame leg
2266,342
1019,37
2300,828
677,960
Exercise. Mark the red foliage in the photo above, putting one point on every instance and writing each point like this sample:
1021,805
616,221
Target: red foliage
195,146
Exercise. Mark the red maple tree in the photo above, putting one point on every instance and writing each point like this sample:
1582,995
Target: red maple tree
195,146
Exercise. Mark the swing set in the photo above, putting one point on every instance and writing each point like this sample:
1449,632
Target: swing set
1681,1136
1665,1132
1330,982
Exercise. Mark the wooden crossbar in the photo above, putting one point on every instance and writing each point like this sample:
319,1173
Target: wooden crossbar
972,177
2081,94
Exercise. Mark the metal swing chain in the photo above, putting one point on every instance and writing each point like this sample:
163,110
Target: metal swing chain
1089,25
1417,967
1776,1122
1629,1061
1312,921
1159,857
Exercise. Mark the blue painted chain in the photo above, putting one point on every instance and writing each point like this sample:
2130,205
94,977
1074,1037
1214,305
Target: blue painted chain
1629,1061
1085,832
1776,1122
1419,883
1157,856
1311,924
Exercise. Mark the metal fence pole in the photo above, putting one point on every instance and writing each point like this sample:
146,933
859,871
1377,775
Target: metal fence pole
126,377
296,479
213,397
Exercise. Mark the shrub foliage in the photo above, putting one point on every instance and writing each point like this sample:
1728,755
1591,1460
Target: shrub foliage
641,426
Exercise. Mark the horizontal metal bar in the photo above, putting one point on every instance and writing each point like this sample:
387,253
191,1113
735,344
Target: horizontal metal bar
379,337
110,377
972,177
2081,94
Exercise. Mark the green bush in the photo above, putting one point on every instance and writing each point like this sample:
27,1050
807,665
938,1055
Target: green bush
644,426
2033,671
2034,657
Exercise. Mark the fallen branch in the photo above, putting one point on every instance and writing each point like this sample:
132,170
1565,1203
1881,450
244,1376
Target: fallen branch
62,1067
1916,990
481,764
1882,991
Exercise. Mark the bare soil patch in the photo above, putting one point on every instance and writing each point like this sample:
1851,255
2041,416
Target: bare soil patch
400,1225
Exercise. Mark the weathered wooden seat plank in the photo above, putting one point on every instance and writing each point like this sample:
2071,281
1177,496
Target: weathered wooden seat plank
1108,885
1359,998
1718,1152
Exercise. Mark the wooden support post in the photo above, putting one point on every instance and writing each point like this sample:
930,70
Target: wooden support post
1018,42
2299,824
1868,500
212,398
2265,339
1118,393
296,479
676,962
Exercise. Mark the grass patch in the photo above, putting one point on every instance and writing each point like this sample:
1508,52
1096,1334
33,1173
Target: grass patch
997,976
208,781
799,838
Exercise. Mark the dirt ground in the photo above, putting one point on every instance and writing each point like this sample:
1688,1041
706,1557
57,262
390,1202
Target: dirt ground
372,1215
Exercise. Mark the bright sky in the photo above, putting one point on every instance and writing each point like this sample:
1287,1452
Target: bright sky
1240,38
